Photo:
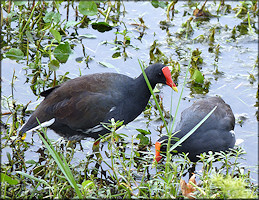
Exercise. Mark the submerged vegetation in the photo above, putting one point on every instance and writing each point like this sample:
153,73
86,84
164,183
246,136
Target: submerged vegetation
45,37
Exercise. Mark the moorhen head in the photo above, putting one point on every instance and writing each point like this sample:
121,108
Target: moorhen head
78,106
215,134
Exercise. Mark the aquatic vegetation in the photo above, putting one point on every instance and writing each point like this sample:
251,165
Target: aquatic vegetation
210,46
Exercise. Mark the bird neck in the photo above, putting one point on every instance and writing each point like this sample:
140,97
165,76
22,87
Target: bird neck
141,92
140,81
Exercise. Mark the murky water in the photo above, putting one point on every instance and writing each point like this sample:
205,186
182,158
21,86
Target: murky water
236,60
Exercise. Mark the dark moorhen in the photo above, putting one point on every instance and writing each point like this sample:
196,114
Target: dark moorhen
78,106
215,134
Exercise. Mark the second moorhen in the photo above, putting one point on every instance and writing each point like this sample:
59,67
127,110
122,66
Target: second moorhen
215,134
78,106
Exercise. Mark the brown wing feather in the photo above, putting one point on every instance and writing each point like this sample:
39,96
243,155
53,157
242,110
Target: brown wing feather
76,112
80,103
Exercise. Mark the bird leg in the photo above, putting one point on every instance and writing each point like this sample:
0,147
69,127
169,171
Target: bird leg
192,170
96,151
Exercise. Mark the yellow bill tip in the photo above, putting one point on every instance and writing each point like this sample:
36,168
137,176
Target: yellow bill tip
175,88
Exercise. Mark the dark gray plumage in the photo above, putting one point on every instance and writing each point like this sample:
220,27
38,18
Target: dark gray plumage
78,106
215,134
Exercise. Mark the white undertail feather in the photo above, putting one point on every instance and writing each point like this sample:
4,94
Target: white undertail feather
239,141
44,124
232,133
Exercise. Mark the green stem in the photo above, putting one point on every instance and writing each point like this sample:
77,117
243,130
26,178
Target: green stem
249,24
28,21
219,6
106,15
81,20
169,8
113,123
37,19
240,10
27,52
108,12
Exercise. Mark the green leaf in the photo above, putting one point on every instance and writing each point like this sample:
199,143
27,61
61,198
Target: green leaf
79,60
14,54
8,179
137,154
88,8
10,15
116,55
52,16
34,178
157,4
32,66
144,132
31,162
88,184
108,65
48,17
197,76
56,17
144,140
101,26
30,37
62,52
20,3
53,65
38,170
69,24
56,34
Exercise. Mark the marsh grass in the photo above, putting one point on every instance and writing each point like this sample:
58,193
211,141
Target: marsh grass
124,171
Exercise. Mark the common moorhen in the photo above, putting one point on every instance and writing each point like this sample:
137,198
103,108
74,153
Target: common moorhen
215,134
78,106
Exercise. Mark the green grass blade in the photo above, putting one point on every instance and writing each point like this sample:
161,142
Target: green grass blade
192,131
154,97
61,163
170,135
34,178
180,97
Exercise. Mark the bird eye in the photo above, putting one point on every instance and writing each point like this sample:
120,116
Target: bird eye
160,74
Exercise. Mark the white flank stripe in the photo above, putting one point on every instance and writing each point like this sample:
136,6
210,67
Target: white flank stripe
44,124
112,109
21,127
96,128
